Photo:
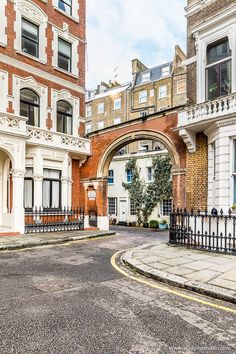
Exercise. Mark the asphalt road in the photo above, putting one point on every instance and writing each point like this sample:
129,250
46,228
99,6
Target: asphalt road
69,299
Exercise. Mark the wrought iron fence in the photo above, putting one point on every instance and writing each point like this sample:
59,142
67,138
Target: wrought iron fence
52,220
209,231
93,217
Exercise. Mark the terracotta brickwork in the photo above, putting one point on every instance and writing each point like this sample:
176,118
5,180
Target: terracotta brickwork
197,175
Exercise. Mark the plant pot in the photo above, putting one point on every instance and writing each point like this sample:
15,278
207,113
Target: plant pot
163,226
233,211
145,224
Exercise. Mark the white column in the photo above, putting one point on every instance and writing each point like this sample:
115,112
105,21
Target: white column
38,191
18,220
64,192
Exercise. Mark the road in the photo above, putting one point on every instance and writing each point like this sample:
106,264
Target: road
69,299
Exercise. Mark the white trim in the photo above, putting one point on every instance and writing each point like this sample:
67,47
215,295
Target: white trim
75,10
19,83
65,95
3,23
65,35
41,73
3,91
33,13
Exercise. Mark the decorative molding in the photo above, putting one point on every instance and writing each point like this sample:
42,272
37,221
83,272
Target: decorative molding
41,73
18,173
3,21
189,138
3,91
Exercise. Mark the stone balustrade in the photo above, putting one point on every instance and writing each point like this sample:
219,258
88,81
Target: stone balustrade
223,106
11,124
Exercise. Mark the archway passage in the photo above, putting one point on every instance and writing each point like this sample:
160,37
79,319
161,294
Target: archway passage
107,142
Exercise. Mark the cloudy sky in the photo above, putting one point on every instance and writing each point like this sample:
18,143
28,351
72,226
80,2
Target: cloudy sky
121,30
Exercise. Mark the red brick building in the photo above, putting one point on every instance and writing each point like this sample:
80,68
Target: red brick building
42,90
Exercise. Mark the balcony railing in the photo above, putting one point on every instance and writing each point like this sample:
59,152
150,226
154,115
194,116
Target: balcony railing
12,124
38,136
209,110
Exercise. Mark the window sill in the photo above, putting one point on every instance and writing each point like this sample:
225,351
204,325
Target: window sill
76,20
31,57
65,72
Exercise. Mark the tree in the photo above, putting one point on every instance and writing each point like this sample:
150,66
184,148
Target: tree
145,197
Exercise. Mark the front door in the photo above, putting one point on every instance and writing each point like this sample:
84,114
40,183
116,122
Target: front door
123,210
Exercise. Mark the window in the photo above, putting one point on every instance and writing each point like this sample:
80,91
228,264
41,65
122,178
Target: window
162,91
101,108
149,174
51,189
132,209
112,206
218,70
30,38
117,121
88,111
64,117
181,86
143,114
166,207
65,5
88,128
165,71
100,125
129,175
29,106
117,104
28,188
146,77
143,96
64,55
110,177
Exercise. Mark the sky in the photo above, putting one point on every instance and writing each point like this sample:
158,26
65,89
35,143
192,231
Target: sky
121,30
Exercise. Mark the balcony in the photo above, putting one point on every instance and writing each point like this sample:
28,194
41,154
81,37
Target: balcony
47,138
199,117
12,125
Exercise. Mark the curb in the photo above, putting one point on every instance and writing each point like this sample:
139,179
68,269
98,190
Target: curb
9,247
174,280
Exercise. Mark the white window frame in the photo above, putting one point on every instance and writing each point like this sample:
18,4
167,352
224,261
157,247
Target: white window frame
114,199
179,82
111,177
88,111
132,210
169,206
205,35
165,71
75,10
3,22
31,12
66,36
163,91
149,176
146,77
143,96
117,120
88,128
3,91
20,83
117,104
100,124
74,102
101,108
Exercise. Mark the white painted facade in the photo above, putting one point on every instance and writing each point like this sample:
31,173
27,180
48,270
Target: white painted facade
216,118
124,212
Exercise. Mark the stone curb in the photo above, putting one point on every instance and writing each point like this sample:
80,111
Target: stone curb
175,280
16,246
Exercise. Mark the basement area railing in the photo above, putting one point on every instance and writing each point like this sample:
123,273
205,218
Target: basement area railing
53,220
202,230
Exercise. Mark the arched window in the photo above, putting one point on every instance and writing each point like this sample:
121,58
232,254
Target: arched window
29,106
218,70
64,117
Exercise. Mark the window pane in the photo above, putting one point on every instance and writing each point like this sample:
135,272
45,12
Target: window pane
59,123
29,106
64,63
64,107
234,189
64,48
28,193
213,82
225,78
46,194
65,5
29,38
54,174
29,47
55,194
29,96
218,51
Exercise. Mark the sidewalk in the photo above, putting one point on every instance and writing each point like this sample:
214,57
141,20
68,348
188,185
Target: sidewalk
50,238
204,272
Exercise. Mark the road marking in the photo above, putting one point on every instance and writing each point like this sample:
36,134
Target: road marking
66,243
163,288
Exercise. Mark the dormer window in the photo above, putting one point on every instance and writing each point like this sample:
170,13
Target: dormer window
65,5
145,77
165,71
218,69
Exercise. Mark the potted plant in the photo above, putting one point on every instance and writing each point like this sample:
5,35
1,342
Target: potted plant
163,225
154,224
233,208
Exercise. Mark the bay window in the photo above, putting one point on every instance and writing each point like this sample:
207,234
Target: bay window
51,189
218,69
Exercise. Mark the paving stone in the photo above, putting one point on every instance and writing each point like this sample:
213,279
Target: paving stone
158,265
224,267
176,261
199,265
179,270
203,276
224,283
230,275
151,259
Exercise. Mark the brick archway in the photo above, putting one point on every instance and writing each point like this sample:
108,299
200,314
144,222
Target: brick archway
107,142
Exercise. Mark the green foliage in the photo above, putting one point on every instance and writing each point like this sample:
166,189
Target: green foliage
163,222
154,224
145,197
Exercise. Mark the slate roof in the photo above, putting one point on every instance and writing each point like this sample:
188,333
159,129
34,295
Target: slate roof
155,73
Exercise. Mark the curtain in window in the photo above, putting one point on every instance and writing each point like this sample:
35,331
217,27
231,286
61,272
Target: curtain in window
28,193
46,194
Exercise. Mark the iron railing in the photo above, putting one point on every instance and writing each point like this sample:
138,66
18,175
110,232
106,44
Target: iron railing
202,230
52,220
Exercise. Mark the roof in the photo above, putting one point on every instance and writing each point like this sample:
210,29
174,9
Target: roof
155,73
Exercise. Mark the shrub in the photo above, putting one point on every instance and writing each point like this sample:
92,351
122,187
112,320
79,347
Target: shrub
154,224
163,222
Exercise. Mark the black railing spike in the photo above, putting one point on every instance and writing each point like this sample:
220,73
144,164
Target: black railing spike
221,212
230,211
199,211
185,211
192,211
206,211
